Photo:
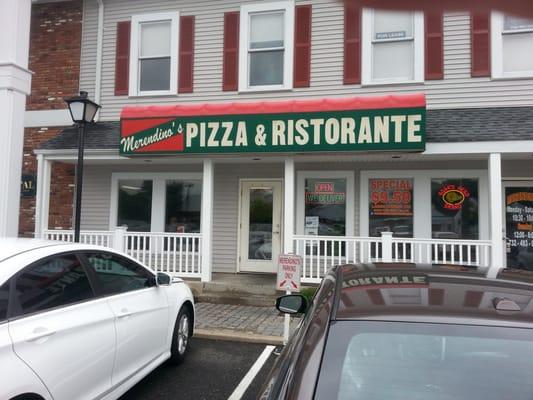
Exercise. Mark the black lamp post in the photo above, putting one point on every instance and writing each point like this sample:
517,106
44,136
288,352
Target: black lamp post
82,110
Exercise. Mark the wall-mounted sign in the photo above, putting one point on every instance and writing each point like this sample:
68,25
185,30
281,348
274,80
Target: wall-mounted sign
391,197
329,125
519,226
28,186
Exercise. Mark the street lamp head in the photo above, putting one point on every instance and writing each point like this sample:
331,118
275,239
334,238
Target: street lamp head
81,108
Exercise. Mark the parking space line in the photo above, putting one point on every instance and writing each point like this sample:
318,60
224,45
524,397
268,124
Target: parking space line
250,375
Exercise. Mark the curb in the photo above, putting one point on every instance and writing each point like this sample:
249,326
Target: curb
237,336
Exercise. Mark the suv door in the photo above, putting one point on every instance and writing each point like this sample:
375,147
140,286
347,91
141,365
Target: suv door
140,307
60,330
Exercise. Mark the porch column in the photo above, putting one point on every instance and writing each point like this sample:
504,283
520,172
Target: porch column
15,85
42,196
288,207
496,211
207,220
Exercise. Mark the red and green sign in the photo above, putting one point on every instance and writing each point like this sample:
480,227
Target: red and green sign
324,193
395,123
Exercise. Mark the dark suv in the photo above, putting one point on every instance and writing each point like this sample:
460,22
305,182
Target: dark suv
407,331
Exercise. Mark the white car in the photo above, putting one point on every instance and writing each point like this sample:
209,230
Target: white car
84,322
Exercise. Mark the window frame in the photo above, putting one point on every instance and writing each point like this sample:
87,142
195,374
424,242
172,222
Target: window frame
134,67
422,219
158,194
496,42
14,311
93,274
288,42
350,197
367,63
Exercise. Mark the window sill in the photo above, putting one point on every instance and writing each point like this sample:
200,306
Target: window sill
264,89
512,77
152,94
392,83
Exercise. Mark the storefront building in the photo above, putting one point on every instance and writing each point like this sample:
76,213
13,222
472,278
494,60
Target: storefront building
232,134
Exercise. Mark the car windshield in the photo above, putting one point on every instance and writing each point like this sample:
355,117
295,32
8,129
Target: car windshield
415,361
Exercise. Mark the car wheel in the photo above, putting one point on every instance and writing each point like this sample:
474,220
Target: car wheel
181,336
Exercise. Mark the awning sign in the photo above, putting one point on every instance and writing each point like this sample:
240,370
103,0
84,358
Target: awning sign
289,272
375,124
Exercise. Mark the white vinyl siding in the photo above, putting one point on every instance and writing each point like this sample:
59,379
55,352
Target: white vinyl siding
456,90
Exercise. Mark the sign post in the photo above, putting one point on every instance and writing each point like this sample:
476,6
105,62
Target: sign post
289,274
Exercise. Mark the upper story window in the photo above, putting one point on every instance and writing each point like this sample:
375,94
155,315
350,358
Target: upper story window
394,41
154,57
266,46
512,46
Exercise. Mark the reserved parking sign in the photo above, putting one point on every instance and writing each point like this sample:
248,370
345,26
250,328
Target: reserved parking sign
289,272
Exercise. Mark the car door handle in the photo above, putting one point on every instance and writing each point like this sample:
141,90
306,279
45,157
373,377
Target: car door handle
39,333
124,313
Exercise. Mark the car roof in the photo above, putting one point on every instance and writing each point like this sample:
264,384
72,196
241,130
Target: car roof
432,293
10,247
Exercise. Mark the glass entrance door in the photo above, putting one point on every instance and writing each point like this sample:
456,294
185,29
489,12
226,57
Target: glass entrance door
518,208
260,228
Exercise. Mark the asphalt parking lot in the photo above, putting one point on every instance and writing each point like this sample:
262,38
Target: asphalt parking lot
212,371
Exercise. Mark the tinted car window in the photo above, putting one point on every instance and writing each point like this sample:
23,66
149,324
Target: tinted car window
388,360
55,282
4,296
118,275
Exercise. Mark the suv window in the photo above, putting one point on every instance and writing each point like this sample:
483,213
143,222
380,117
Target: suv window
118,274
4,297
54,282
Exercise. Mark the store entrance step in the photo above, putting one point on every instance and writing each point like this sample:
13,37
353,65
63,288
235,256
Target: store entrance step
240,289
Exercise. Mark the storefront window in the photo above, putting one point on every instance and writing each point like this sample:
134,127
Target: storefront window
325,207
454,209
519,226
391,207
183,203
135,204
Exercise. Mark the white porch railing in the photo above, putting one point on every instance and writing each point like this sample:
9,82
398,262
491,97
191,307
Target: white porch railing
176,253
319,253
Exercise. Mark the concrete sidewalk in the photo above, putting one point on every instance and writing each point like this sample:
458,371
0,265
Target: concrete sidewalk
240,323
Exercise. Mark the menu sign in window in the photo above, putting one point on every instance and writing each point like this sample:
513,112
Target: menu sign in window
391,206
519,226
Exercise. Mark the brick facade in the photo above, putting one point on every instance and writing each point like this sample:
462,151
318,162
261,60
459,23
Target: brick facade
55,46
61,188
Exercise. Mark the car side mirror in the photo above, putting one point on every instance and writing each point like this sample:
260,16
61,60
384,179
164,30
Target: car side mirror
163,279
291,304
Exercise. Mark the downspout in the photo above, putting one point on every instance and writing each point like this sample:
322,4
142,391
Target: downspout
99,52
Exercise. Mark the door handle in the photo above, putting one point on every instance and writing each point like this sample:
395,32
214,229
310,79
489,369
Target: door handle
275,232
39,333
124,313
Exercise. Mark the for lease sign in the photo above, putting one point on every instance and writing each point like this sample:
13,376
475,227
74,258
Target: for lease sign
332,130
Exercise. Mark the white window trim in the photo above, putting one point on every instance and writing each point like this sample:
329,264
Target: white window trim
158,194
134,82
288,8
422,197
366,50
350,196
496,32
